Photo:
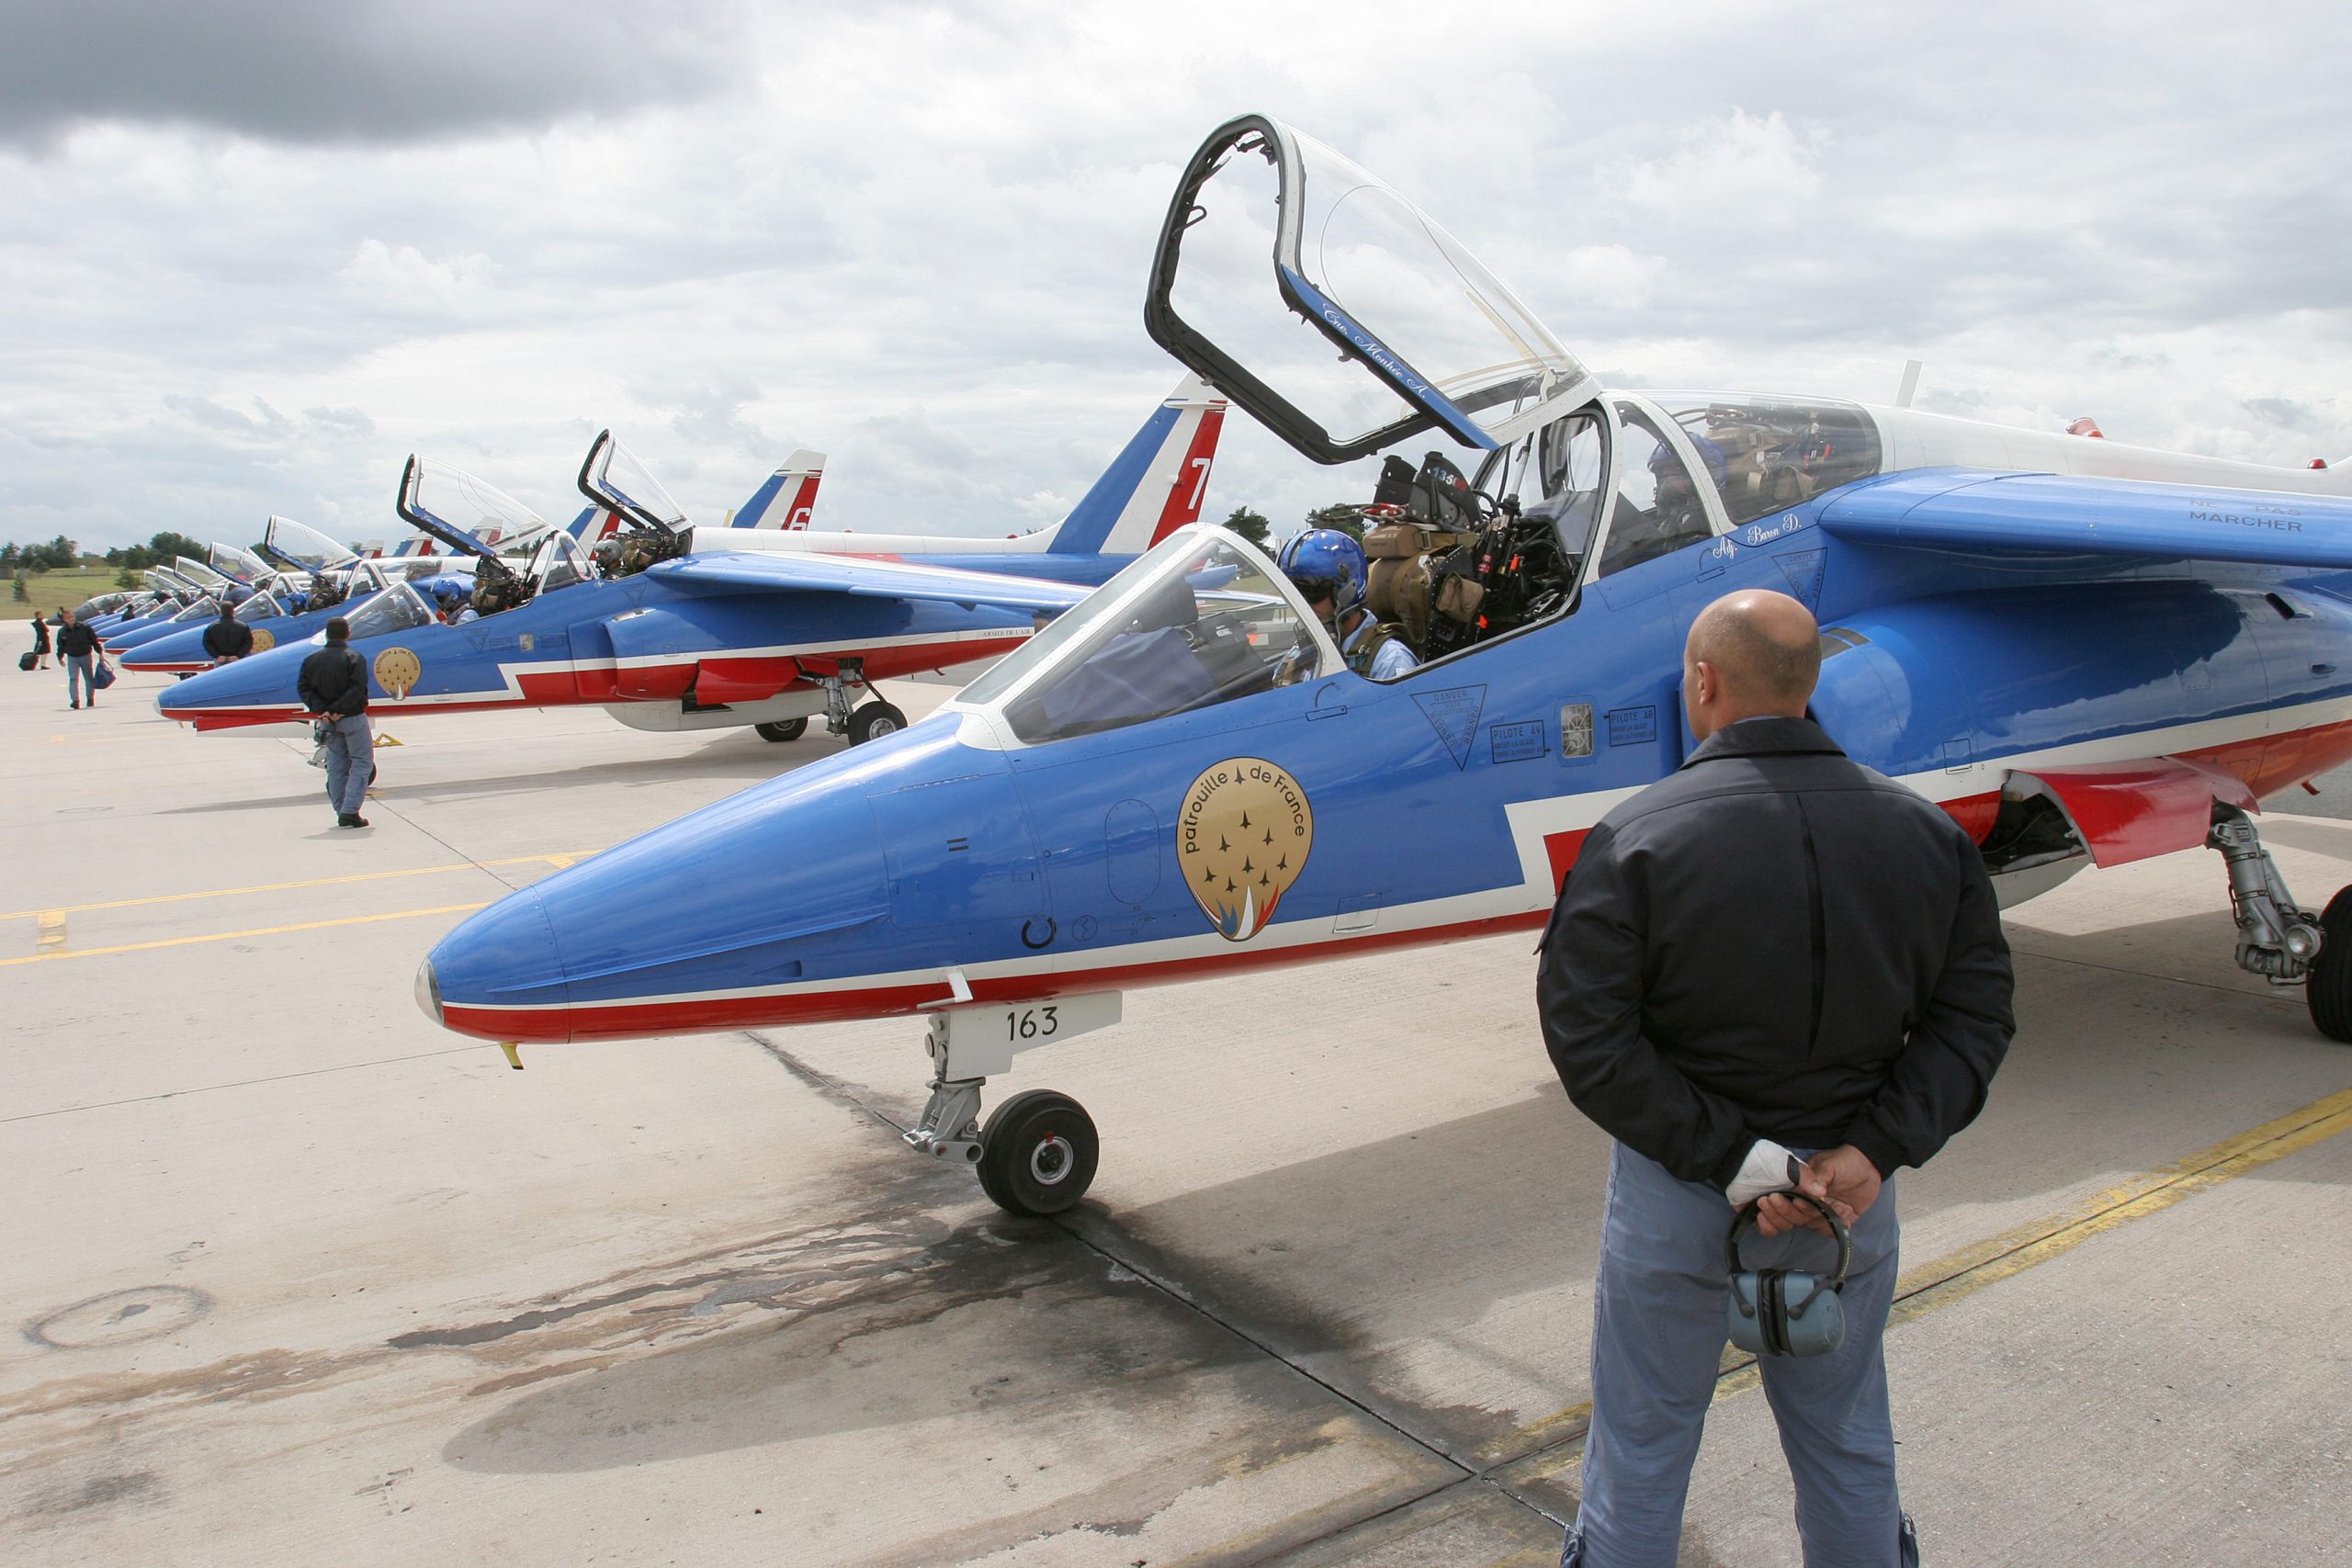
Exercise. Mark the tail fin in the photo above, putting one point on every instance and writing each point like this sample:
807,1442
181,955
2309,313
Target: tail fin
796,483
594,526
1154,485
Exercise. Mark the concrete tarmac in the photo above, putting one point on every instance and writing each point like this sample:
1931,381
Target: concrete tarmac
298,1278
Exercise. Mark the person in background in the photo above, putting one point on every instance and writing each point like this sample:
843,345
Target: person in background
333,687
41,643
228,638
78,649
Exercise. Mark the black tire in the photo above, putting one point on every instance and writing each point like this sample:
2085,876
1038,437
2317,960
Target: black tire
782,729
2328,991
1038,1153
873,721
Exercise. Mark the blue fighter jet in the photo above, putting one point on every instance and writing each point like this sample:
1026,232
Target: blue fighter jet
2087,653
671,628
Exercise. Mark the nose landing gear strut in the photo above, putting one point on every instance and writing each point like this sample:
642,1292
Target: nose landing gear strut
1038,1153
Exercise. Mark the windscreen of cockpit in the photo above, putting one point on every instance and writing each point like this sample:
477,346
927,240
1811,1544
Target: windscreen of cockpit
614,478
559,563
261,607
1429,334
396,609
204,608
1197,621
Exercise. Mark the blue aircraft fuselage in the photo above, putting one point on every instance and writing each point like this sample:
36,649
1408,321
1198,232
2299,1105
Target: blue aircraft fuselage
638,639
1446,804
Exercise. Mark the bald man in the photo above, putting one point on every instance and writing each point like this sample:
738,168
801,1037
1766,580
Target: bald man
1772,969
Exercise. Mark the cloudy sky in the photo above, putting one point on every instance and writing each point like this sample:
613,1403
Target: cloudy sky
258,251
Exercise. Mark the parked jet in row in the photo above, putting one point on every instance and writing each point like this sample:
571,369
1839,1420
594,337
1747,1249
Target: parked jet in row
2087,653
671,628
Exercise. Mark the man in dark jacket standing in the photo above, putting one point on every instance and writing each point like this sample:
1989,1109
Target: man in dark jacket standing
334,687
228,638
78,649
1774,968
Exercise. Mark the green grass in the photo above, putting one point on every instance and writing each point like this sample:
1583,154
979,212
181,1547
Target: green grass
55,591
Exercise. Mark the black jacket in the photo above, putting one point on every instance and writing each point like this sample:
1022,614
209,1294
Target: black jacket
1777,943
226,638
333,681
76,640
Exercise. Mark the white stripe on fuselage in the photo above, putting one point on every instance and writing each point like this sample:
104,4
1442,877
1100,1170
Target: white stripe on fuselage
1531,822
509,673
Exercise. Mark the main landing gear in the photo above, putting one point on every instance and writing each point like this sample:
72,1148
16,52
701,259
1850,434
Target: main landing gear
862,723
1038,1153
2279,940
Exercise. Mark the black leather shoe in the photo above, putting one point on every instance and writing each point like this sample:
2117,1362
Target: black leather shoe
351,820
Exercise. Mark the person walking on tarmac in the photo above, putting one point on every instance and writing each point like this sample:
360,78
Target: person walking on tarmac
1772,970
228,638
41,643
334,687
78,649
1329,570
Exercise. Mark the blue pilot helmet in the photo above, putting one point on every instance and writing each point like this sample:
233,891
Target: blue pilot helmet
1664,461
1325,561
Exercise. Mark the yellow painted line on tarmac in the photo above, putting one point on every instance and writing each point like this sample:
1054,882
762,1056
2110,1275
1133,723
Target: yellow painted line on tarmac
233,936
559,861
53,929
1965,1273
1958,1275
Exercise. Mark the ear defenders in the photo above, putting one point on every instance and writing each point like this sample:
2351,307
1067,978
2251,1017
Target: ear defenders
1779,1312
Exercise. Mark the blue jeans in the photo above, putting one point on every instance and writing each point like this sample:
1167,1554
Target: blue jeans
1657,1336
351,760
77,678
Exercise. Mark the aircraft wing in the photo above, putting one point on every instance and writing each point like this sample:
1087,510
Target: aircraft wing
1980,513
734,572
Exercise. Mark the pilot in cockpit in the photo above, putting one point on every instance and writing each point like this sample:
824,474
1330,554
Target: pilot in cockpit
1329,570
1675,517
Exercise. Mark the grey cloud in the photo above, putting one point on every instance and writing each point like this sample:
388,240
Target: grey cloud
381,71
2284,411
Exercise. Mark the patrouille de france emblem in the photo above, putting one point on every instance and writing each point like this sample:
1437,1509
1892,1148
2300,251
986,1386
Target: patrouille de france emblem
397,671
263,639
1242,841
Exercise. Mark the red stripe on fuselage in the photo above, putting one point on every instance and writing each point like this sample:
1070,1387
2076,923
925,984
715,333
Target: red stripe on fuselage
624,1020
595,685
2268,764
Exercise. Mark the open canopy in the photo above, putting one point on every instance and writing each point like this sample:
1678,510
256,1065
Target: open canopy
614,479
1277,252
233,560
196,571
299,548
465,514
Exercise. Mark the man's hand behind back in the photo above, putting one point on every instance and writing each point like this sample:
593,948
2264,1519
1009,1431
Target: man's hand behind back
1842,1178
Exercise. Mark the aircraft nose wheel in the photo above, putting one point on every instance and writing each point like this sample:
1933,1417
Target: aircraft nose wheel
1038,1153
873,721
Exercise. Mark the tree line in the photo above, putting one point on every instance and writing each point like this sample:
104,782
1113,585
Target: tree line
1255,527
63,554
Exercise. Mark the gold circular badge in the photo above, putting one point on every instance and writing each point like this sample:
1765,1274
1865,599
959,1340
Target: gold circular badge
1242,841
397,671
263,641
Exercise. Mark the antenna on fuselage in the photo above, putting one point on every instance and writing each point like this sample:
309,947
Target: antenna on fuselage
1904,393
